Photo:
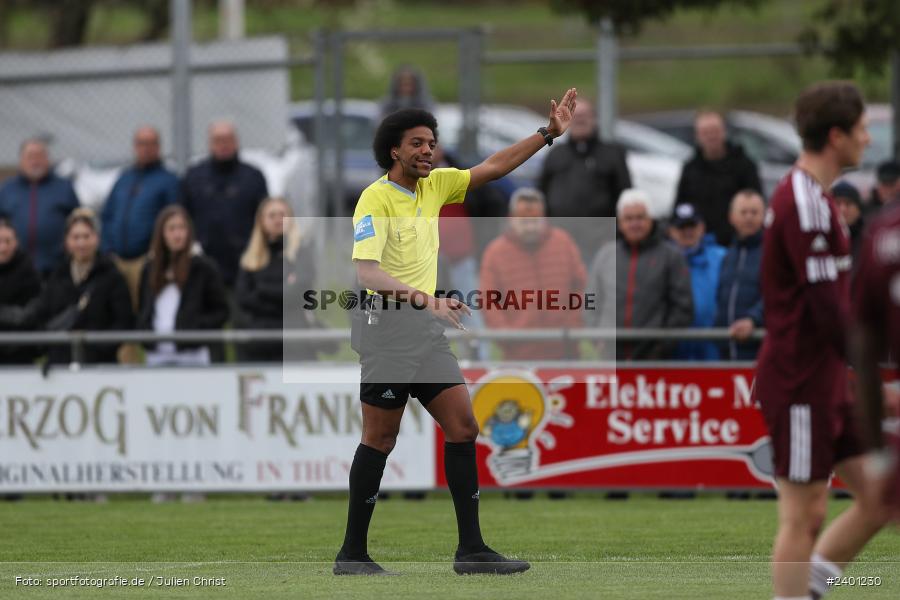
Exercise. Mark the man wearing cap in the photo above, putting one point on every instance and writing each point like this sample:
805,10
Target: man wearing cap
704,258
887,187
850,205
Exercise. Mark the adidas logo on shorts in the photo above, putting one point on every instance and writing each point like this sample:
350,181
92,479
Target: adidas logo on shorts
819,244
476,495
372,500
388,394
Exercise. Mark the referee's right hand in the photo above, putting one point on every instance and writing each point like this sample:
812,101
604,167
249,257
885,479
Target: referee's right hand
449,310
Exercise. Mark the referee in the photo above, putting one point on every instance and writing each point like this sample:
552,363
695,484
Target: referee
399,336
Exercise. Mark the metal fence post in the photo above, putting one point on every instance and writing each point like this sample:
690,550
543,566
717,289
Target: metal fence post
471,50
320,63
895,101
77,348
607,78
231,19
181,82
337,66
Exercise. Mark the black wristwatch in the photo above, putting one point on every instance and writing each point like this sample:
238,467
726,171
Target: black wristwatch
547,137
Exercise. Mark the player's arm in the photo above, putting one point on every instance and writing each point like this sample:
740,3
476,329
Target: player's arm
370,274
868,342
505,161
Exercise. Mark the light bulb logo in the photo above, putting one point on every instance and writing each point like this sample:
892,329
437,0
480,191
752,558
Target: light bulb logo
510,409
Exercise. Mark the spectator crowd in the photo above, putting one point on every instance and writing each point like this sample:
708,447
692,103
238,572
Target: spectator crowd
211,248
164,254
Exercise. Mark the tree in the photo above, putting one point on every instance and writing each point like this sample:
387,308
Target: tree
628,15
855,33
69,20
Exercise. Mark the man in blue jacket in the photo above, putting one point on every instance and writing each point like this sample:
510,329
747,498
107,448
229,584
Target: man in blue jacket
739,297
36,201
704,257
222,194
136,199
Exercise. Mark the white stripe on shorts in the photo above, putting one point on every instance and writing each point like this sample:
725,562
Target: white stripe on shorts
801,443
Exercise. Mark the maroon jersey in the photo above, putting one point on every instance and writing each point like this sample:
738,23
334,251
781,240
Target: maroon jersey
877,295
877,287
805,283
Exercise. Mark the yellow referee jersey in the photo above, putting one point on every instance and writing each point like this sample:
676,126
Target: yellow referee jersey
399,229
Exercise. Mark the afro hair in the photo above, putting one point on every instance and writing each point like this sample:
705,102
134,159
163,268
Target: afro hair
390,132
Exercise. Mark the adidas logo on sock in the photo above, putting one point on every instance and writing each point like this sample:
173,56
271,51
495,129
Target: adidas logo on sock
388,394
476,495
372,500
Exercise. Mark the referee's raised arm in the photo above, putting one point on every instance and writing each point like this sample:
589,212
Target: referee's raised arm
505,161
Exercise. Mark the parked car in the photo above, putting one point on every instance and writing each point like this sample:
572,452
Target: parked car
639,138
359,118
654,158
654,161
881,124
499,126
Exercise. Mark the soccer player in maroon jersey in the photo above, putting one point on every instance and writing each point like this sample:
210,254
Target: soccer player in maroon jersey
877,334
801,380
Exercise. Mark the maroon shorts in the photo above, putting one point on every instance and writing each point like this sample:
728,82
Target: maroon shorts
813,427
892,496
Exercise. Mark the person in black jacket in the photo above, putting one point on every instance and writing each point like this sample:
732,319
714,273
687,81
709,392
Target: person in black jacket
583,177
221,195
19,285
84,293
180,289
274,267
717,172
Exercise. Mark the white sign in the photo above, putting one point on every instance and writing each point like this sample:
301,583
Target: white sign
203,429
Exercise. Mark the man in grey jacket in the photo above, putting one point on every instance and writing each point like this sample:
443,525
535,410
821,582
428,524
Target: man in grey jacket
639,281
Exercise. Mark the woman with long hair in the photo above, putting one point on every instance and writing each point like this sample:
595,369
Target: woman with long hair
19,285
274,266
85,292
180,289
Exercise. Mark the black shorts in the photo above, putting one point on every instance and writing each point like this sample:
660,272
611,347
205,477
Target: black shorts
404,354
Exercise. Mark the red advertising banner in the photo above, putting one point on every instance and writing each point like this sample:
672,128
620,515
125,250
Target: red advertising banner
633,427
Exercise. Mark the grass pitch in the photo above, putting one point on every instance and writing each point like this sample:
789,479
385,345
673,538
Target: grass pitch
586,547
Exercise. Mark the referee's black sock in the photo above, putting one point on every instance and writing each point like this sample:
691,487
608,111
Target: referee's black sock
462,479
365,479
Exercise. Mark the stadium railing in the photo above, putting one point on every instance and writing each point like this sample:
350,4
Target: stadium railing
77,340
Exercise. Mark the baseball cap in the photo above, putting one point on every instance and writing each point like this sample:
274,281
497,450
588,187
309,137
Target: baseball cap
686,214
888,171
845,190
